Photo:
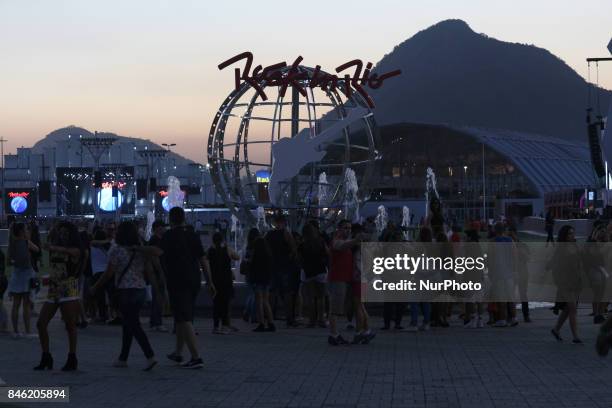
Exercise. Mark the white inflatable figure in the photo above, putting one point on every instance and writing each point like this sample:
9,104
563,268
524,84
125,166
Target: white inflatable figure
234,230
260,215
381,219
290,154
175,194
323,193
351,200
406,221
149,228
430,188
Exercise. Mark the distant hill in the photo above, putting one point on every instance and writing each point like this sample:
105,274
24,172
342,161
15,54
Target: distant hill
124,142
450,74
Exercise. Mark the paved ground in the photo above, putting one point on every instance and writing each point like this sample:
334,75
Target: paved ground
455,367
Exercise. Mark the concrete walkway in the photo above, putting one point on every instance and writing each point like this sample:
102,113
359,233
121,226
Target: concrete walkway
454,367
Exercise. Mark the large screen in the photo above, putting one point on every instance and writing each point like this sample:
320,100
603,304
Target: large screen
20,202
76,192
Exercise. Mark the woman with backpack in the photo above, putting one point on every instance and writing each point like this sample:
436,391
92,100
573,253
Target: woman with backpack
220,258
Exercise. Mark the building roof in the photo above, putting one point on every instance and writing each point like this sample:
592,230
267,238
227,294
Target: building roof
550,163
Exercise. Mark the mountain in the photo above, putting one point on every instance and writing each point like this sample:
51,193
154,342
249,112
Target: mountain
123,143
450,74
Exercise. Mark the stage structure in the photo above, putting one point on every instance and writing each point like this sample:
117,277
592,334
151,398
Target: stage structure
97,146
77,194
283,132
598,123
152,156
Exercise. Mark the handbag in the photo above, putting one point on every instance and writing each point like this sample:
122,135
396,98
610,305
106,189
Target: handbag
35,284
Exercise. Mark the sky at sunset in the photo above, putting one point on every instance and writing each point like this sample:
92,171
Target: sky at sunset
148,68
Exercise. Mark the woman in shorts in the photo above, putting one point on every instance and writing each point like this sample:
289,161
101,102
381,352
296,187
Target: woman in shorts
19,285
65,255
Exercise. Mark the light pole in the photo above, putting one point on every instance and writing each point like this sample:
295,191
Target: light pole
2,141
465,216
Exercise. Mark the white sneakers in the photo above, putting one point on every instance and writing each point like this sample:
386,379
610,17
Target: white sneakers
474,323
222,330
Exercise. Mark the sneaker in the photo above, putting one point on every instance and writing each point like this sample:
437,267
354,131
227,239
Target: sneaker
120,363
357,339
233,329
177,358
260,328
399,328
193,363
578,342
349,327
114,322
501,323
527,319
221,330
556,335
412,328
151,362
425,327
336,341
471,324
514,322
367,337
271,328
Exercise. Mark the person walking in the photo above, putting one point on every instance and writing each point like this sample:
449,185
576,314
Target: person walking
566,269
340,278
220,257
127,267
184,260
257,266
314,258
65,257
156,319
19,285
285,275
99,262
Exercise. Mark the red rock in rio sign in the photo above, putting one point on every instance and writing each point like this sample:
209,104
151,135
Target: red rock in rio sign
273,76
23,194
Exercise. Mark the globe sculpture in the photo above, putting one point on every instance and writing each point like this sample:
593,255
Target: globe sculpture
305,143
19,205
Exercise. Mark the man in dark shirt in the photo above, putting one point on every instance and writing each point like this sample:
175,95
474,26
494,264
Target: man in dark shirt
285,271
156,323
183,261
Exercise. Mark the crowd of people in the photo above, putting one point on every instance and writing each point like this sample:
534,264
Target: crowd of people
312,278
